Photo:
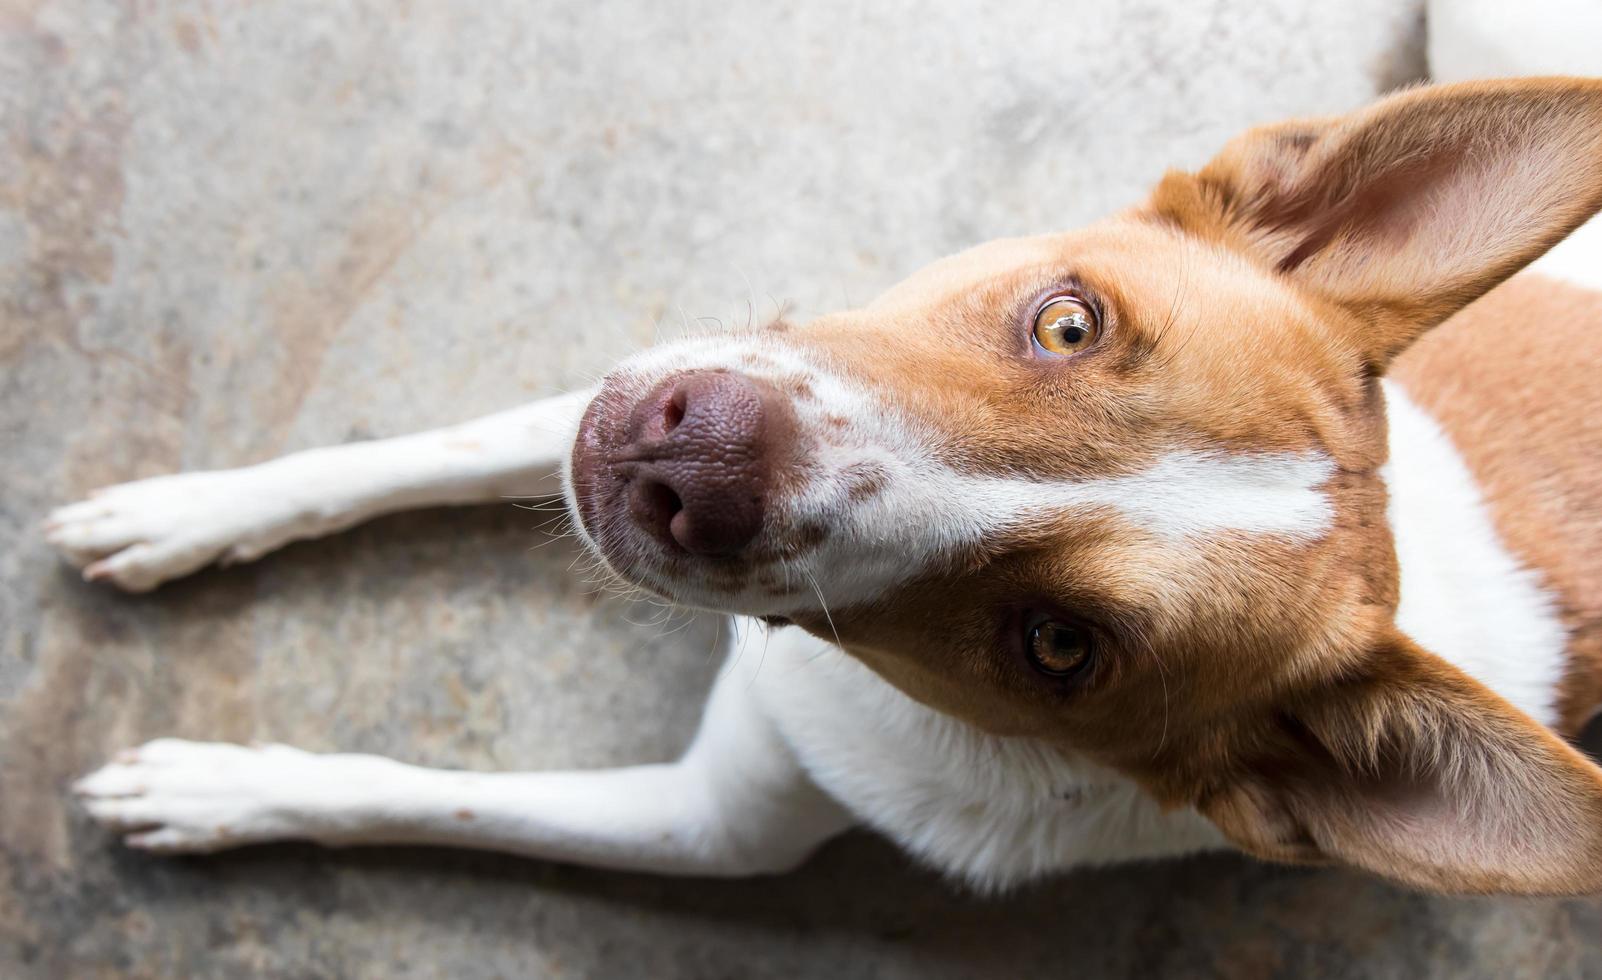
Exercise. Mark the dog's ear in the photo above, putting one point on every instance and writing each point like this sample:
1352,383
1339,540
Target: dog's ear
1412,770
1408,210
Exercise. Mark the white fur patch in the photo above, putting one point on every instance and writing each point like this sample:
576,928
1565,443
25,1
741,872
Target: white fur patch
1464,597
929,512
1184,494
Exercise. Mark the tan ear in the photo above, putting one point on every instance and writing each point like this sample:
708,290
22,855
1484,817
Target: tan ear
1408,210
1418,773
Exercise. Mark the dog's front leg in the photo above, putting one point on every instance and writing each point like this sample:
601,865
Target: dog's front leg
737,803
141,534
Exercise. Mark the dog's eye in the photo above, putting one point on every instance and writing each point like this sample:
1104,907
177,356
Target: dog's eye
1066,325
1057,648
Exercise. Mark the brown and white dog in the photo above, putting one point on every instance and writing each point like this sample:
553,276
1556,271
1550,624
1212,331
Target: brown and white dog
1263,514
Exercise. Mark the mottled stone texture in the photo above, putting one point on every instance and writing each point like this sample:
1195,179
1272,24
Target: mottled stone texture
228,230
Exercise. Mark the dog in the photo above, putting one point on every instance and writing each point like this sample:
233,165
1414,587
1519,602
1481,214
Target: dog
1262,515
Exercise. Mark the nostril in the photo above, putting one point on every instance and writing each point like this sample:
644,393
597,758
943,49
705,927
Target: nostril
673,410
655,505
703,447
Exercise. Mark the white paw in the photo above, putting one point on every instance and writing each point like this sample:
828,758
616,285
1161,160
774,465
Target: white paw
172,796
139,535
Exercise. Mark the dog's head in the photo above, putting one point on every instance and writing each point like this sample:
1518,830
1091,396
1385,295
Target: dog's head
1117,488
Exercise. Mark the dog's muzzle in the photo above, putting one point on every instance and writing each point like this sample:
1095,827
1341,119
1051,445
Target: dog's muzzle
691,466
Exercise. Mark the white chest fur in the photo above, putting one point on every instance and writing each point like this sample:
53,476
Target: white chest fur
1463,595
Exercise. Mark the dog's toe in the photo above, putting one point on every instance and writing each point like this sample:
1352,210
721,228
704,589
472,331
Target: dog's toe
84,539
142,567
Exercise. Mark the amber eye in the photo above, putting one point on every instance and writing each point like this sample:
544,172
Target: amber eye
1066,325
1057,648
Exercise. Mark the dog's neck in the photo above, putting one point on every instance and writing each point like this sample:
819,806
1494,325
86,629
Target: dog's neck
1494,502
1464,595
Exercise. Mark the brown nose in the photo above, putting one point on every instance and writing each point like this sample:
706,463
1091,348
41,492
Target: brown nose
701,463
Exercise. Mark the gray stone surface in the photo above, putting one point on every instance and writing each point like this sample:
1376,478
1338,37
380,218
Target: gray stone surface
230,230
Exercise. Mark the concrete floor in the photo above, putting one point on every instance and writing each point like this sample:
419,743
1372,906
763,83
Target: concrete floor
228,231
